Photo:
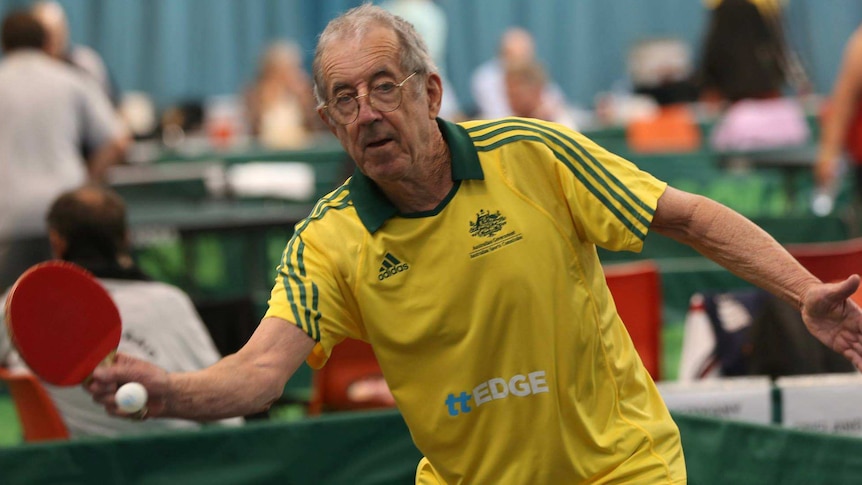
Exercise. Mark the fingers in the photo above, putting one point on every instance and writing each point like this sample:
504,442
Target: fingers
104,394
855,357
106,379
124,369
102,390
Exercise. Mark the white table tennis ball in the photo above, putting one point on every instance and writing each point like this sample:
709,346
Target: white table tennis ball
131,397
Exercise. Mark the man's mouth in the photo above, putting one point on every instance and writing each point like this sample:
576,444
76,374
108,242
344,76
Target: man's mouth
379,143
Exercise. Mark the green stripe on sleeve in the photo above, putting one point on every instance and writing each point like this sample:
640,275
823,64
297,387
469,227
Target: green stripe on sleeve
560,151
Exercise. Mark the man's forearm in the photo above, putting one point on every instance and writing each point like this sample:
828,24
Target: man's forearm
106,156
244,383
737,244
229,388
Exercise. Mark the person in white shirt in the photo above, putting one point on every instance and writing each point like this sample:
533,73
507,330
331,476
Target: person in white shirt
526,83
53,18
49,114
488,81
87,226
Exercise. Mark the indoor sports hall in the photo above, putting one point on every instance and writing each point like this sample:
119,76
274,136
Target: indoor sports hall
198,118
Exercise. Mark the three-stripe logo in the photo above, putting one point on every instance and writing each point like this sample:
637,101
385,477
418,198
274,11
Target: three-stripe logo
390,267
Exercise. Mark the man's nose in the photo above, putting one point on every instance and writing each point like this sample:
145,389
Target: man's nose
367,112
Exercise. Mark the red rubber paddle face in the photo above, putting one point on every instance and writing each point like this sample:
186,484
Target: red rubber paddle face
63,322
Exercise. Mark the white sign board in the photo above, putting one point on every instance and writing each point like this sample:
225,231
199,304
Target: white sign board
823,403
746,399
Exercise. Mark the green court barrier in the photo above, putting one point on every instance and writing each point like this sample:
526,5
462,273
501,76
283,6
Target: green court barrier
723,452
376,449
355,449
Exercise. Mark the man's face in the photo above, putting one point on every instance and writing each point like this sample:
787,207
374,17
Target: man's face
385,146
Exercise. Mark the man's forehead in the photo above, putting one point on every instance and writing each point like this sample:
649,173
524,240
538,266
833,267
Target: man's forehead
360,55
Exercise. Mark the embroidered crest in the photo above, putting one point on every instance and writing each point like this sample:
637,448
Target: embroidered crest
487,224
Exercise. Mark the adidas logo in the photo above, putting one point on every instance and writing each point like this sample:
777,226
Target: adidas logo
391,266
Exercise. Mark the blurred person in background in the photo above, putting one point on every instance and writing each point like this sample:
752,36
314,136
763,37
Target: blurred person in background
526,83
744,55
662,68
429,19
49,111
279,104
842,123
488,84
745,67
88,227
53,18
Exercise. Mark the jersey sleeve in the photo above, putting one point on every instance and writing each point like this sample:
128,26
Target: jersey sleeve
309,294
611,200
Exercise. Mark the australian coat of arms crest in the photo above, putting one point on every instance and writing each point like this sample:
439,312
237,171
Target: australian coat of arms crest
487,224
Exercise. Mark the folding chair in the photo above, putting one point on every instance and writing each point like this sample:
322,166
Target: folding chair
636,288
673,130
40,420
831,261
352,363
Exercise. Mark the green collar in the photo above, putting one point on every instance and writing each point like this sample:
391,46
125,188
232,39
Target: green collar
372,206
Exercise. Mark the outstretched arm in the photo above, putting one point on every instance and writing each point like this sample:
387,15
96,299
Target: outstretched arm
243,383
747,251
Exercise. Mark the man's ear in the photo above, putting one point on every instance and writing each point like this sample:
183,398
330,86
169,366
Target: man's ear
434,88
59,245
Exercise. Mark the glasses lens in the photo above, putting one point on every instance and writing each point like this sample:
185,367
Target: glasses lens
344,109
386,97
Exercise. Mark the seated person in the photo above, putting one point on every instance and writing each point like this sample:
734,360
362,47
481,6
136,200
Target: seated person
487,82
280,104
525,84
744,70
87,226
743,56
662,68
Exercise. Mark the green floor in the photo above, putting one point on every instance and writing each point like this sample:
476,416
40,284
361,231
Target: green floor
10,431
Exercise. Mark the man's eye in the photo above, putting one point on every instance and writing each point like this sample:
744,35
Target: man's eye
343,100
384,88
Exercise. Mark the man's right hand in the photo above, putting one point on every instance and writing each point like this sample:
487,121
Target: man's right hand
106,379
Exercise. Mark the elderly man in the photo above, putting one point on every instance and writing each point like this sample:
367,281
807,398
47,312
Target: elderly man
465,254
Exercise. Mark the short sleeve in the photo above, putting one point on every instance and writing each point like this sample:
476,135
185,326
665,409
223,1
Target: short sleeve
309,293
611,200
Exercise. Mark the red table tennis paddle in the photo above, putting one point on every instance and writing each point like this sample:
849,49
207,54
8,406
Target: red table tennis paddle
62,321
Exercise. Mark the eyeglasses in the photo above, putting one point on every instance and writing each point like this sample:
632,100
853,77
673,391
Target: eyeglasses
384,97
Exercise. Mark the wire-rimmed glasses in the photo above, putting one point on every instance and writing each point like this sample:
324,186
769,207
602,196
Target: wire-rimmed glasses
384,97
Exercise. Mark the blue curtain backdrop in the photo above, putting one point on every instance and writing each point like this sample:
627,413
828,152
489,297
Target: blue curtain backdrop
180,49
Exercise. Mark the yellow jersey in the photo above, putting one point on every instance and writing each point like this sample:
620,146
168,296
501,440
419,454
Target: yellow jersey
490,315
